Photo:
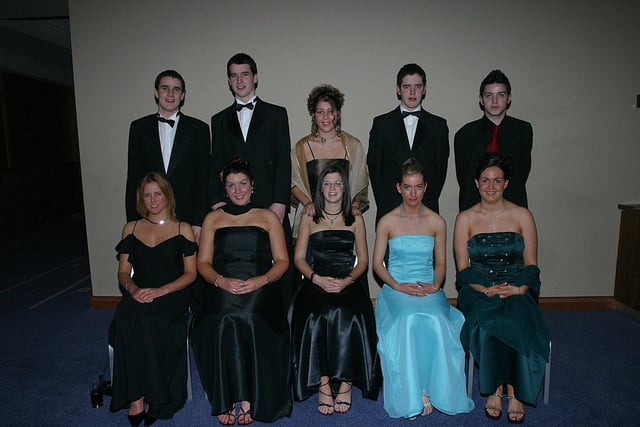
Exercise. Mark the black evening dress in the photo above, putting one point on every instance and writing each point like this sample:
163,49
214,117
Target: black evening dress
149,340
241,342
508,337
334,335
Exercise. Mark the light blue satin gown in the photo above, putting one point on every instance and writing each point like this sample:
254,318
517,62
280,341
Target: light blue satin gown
419,337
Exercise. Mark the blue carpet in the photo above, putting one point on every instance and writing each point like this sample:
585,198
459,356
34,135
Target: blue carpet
55,346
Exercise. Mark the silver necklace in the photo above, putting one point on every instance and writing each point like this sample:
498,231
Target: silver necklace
162,221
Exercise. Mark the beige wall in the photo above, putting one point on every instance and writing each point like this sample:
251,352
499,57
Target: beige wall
575,73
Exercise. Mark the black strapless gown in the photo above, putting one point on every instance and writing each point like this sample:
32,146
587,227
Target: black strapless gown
334,334
241,342
150,356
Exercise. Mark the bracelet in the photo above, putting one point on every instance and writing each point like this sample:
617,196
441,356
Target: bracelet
215,282
126,286
352,279
268,278
313,273
486,291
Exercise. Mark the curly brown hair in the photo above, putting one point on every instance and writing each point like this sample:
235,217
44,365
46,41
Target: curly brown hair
325,93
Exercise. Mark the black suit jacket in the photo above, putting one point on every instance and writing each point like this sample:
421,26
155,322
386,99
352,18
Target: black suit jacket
470,145
188,166
267,149
389,148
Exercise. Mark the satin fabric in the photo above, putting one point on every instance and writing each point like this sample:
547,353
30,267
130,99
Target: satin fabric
508,337
334,334
241,342
419,342
150,357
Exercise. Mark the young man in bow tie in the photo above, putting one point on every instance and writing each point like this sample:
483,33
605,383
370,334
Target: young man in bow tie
174,143
258,132
407,131
493,132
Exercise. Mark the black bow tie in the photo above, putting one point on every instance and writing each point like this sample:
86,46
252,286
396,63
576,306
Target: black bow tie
239,107
411,113
167,121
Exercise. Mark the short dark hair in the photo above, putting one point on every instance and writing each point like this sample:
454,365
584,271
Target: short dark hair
495,77
170,73
408,70
494,159
166,189
242,58
410,167
347,213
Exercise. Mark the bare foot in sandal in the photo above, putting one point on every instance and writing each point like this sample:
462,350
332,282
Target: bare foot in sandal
515,411
343,404
428,407
244,416
493,406
228,418
325,398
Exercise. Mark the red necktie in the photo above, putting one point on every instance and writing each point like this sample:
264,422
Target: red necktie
494,144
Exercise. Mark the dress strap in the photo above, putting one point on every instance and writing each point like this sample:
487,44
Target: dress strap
134,226
179,224
309,145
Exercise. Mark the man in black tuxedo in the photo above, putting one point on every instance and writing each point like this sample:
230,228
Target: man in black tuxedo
406,132
495,131
258,132
174,143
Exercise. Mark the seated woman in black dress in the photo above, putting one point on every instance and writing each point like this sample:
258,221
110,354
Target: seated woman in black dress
241,336
496,249
333,327
149,327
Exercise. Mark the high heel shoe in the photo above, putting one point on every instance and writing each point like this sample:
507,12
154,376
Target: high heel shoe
149,419
136,419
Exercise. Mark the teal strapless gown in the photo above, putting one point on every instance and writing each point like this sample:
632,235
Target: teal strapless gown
419,338
508,337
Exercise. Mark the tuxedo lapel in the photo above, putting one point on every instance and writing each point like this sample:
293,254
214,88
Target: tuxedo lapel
154,149
178,148
257,118
422,132
400,132
233,125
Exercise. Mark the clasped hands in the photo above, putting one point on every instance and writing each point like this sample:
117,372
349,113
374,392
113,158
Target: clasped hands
147,295
239,287
418,289
503,290
331,285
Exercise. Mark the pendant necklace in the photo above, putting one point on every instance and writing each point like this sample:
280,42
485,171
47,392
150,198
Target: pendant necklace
162,221
335,215
324,140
